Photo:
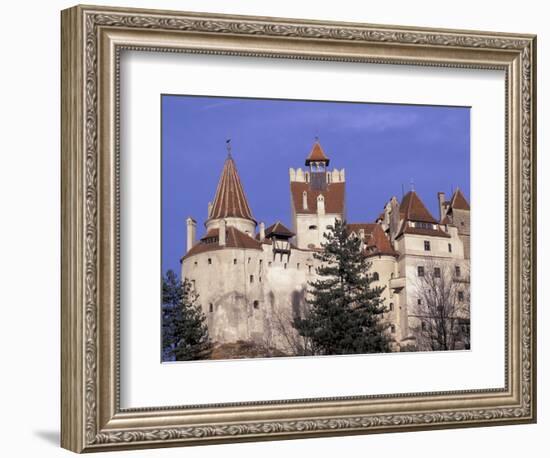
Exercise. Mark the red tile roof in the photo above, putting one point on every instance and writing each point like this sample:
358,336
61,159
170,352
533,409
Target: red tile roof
424,231
334,195
376,241
317,155
413,209
459,202
234,239
279,229
230,199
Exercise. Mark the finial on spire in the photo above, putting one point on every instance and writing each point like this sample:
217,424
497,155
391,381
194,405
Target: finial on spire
412,184
228,146
317,138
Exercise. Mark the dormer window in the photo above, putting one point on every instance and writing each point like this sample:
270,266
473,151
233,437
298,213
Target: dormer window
423,225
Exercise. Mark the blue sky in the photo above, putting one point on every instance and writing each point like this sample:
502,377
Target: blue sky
382,147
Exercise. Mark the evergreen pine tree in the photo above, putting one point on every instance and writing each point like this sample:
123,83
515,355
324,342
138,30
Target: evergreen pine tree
184,331
344,312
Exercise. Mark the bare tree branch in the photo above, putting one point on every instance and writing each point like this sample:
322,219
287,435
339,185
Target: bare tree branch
442,308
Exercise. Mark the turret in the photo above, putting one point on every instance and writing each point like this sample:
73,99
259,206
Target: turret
230,203
317,162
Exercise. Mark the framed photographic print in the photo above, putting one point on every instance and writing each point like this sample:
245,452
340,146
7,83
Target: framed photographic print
279,228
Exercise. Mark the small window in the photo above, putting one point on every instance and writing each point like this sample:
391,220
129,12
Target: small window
196,263
450,248
308,269
461,296
427,245
248,260
312,227
298,266
211,308
391,306
457,271
375,276
234,260
209,260
256,305
392,328
419,301
269,264
261,262
260,278
285,265
252,279
437,272
420,271
423,326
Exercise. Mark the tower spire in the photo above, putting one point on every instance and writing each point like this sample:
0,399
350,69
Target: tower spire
230,199
228,147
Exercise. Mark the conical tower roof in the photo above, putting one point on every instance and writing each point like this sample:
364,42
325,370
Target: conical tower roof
230,199
458,201
317,154
413,209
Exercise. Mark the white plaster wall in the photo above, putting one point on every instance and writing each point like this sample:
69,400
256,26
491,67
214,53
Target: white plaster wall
305,236
278,285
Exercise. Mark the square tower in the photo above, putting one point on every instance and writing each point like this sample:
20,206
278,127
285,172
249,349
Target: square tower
317,198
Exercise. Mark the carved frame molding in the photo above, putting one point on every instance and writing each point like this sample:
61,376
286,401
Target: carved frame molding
92,39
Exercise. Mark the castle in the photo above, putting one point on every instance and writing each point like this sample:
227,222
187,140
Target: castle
252,279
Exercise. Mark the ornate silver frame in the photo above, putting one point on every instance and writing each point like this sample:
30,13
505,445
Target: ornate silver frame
92,38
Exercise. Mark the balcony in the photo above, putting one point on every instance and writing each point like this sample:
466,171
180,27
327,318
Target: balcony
397,283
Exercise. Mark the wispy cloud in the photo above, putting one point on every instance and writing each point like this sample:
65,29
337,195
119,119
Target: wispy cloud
221,104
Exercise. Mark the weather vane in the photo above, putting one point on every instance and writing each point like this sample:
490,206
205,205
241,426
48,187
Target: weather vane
228,146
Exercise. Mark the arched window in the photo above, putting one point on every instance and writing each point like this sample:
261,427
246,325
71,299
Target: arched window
391,306
211,308
375,276
392,328
256,305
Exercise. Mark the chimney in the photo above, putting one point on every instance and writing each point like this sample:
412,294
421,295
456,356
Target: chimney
262,231
221,232
395,218
441,199
191,233
320,205
362,238
304,200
